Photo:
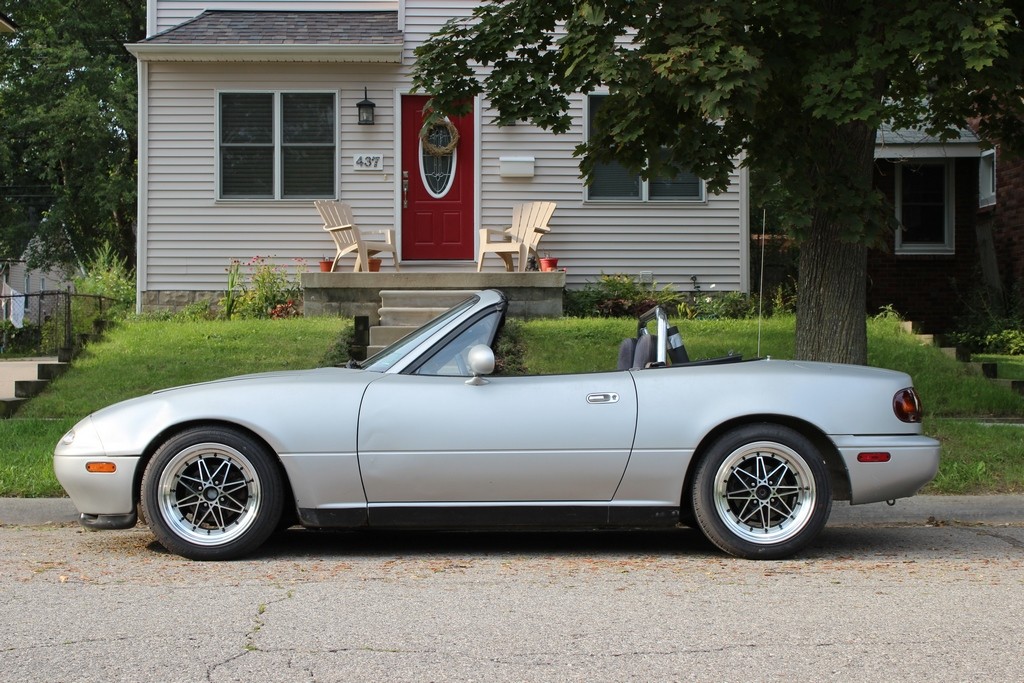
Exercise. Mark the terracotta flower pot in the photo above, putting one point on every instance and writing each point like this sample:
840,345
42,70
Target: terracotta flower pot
325,266
548,264
374,265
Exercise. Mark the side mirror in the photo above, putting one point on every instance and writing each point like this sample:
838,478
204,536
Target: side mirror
481,362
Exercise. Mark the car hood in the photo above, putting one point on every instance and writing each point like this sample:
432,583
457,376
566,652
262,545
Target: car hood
290,410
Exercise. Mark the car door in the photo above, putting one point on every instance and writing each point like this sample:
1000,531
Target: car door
433,439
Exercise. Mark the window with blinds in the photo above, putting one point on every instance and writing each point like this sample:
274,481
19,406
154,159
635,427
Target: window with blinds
612,181
277,145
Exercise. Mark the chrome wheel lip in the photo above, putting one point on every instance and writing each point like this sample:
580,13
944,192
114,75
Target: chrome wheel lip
765,493
209,468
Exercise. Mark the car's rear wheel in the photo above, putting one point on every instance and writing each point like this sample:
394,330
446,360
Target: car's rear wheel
762,491
212,493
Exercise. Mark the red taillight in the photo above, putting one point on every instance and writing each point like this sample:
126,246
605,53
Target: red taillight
907,405
874,457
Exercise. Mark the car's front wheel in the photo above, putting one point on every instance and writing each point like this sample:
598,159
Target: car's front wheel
762,491
212,493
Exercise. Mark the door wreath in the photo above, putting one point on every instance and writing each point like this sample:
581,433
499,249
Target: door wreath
440,150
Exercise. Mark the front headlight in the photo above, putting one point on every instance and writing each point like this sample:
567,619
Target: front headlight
83,439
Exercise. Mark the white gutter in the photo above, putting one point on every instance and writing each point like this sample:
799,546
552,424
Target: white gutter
157,52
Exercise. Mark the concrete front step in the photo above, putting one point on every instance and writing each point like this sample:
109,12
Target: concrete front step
9,406
988,370
408,317
27,388
960,353
382,336
1012,384
28,369
51,371
421,298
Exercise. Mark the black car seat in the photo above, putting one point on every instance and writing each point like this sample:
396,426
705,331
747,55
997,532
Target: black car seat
646,351
626,351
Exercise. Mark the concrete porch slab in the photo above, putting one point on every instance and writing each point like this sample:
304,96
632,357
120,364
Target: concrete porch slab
530,295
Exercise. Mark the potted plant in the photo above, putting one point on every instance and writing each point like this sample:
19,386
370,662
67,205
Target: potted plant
326,264
548,263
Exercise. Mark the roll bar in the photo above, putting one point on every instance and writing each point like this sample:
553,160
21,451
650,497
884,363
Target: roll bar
656,313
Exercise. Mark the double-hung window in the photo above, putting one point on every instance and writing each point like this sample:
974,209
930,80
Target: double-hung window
924,207
612,181
277,145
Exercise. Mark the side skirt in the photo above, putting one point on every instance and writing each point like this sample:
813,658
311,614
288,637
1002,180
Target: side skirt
491,517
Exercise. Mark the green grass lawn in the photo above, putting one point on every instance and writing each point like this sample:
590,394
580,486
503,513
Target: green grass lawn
141,356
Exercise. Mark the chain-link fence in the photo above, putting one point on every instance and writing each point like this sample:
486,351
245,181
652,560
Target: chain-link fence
51,323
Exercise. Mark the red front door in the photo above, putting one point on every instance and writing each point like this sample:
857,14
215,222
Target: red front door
437,186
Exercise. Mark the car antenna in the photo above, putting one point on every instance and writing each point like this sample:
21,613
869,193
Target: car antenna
760,286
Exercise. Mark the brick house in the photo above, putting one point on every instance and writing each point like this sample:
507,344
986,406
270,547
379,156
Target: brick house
932,261
1001,210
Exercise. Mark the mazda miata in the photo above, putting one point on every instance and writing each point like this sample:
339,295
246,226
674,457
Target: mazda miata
424,435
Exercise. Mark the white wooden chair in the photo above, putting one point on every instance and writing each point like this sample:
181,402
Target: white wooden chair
348,238
529,224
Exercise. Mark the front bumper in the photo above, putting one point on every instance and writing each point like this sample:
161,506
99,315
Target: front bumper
99,495
914,462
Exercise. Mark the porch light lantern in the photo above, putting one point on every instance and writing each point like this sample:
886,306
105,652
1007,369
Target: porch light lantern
365,109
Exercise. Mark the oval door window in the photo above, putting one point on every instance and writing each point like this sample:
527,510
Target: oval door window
438,170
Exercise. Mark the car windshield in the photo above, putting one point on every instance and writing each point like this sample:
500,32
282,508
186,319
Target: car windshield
380,362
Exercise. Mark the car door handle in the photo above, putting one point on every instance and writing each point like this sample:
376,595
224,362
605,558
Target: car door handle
607,397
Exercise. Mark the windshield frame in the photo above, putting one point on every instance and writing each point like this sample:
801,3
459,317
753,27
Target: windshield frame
390,357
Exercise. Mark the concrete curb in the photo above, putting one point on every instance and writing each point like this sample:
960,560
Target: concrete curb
36,511
998,509
994,509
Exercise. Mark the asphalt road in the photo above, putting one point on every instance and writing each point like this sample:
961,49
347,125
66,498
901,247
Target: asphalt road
876,598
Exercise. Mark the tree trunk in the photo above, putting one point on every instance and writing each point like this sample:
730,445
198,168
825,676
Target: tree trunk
831,322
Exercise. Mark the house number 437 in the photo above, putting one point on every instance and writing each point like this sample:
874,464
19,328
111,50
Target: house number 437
368,162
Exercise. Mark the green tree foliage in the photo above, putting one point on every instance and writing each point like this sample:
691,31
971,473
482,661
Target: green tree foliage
68,121
797,87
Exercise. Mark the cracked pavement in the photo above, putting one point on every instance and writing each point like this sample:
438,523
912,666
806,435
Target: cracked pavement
903,601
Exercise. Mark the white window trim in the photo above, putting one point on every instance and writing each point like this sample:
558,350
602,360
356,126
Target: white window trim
644,198
277,128
987,179
949,196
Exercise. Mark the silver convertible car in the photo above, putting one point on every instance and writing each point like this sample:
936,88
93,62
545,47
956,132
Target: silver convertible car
424,435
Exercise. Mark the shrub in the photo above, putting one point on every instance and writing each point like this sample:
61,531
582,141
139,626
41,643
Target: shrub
988,322
1006,342
727,305
618,296
266,291
510,350
108,275
18,340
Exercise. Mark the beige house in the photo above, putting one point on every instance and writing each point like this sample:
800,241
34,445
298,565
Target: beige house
249,111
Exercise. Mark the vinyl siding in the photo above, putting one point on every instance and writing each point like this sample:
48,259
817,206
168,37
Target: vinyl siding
189,237
673,240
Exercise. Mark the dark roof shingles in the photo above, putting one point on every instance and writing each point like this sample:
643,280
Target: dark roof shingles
228,27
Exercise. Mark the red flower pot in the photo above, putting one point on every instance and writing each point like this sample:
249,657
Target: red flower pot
548,264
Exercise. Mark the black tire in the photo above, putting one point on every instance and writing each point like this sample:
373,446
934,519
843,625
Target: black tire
212,493
762,491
